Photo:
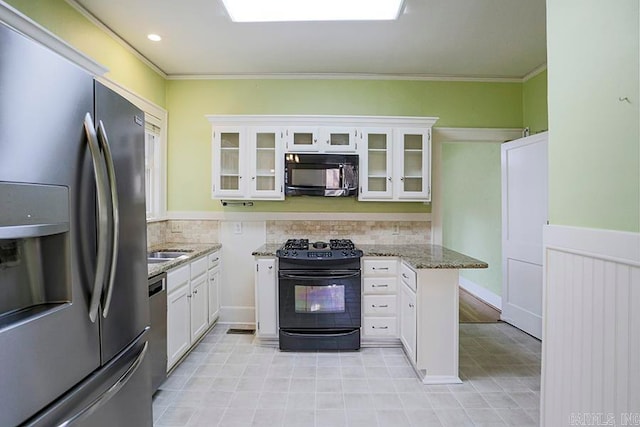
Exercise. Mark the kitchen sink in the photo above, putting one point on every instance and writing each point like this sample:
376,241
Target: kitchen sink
167,254
158,260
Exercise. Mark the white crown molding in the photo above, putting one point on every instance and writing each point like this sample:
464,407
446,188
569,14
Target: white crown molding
157,112
314,120
342,76
534,73
450,134
31,29
95,21
297,216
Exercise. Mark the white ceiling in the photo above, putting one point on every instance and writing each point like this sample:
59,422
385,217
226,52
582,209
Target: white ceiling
432,38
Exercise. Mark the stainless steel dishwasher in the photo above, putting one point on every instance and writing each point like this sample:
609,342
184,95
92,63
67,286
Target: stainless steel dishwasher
158,338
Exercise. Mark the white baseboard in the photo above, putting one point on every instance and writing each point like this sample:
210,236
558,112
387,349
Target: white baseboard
481,292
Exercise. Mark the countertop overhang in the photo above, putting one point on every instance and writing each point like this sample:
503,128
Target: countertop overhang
417,256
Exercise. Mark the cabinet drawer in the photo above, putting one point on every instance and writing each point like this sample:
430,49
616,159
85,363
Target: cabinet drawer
177,277
198,267
408,276
213,260
379,304
380,326
379,285
379,267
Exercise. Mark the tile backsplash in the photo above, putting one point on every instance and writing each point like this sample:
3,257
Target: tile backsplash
361,232
182,231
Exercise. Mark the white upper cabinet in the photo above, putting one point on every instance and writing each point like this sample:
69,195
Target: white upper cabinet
395,164
267,163
321,139
248,162
394,153
228,153
413,164
376,164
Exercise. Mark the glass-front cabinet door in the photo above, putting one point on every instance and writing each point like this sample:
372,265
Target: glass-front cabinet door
338,139
302,138
267,163
413,152
376,168
228,152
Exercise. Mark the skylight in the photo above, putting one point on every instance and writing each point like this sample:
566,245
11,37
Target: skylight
312,10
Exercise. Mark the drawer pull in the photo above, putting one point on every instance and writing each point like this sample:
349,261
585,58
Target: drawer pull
380,268
215,260
380,306
379,286
379,327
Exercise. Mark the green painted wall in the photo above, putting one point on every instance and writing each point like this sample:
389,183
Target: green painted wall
534,103
594,150
67,23
471,208
458,104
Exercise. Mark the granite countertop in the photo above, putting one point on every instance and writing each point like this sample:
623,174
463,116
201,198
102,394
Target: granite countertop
195,250
417,256
424,256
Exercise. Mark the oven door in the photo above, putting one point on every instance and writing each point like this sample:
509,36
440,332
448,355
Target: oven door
319,300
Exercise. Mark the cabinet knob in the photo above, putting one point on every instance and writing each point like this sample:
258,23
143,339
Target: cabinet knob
188,296
389,178
195,291
402,178
271,267
411,305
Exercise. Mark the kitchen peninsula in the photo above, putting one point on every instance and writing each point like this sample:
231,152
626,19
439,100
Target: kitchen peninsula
410,298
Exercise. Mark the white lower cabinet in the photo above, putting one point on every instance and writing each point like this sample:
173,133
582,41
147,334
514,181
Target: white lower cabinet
379,299
178,314
214,286
266,298
192,305
408,320
199,307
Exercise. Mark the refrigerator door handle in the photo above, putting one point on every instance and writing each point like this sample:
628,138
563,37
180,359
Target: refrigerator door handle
104,398
102,217
115,216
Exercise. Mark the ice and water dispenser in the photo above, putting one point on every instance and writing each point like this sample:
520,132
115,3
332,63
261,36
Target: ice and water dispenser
34,250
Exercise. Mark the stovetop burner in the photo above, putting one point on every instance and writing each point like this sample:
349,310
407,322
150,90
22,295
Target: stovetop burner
335,249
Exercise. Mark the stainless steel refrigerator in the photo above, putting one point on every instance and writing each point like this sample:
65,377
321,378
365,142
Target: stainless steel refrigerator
74,311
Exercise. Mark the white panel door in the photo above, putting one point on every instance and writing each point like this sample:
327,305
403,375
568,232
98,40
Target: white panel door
524,213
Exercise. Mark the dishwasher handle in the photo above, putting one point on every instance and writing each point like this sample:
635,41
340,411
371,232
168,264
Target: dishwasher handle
156,287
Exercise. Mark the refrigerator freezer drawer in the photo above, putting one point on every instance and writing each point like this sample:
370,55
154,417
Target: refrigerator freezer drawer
123,383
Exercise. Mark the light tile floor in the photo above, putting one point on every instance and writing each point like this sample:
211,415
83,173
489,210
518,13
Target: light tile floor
229,381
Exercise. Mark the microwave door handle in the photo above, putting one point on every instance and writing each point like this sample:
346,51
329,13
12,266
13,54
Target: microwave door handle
101,216
115,215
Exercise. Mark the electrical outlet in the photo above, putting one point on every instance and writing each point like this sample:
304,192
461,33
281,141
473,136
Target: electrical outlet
177,227
396,229
237,228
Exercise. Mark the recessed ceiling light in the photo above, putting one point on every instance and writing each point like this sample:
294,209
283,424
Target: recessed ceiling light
154,37
312,10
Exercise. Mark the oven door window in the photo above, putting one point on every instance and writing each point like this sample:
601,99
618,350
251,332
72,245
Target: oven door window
319,299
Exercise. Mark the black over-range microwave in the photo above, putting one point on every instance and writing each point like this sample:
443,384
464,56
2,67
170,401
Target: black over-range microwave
328,175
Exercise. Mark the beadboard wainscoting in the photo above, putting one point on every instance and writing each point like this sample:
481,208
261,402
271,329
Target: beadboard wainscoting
591,336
